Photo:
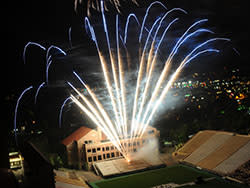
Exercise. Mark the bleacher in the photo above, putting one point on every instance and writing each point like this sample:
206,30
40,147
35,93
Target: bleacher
121,166
218,151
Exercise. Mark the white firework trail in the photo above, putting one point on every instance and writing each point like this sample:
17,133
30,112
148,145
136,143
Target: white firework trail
128,121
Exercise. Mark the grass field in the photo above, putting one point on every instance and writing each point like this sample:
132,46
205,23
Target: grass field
177,174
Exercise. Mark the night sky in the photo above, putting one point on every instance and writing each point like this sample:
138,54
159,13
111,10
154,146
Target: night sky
47,22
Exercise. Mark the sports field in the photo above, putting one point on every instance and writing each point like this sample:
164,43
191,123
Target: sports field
178,174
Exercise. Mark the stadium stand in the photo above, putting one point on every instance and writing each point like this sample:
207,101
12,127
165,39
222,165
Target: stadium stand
197,140
234,161
121,166
223,152
217,151
207,148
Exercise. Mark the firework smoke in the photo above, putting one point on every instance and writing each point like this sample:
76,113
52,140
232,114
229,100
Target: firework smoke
134,109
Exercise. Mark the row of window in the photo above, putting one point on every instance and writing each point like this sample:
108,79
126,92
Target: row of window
107,148
88,142
104,156
107,156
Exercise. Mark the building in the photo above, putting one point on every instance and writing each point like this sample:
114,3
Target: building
15,160
86,146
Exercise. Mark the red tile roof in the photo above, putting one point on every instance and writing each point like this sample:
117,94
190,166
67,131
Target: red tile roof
77,135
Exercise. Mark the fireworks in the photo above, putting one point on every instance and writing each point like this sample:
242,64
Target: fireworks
151,85
96,5
134,96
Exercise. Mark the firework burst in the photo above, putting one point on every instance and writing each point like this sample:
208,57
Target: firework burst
134,109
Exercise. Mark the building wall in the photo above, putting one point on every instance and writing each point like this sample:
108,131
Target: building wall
106,150
92,147
90,138
72,154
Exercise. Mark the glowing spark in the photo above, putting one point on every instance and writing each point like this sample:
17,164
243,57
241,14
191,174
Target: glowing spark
145,17
61,110
126,26
16,109
139,78
54,47
37,91
170,82
70,37
47,71
113,66
31,43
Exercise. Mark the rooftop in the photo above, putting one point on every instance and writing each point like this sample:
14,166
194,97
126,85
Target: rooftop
76,135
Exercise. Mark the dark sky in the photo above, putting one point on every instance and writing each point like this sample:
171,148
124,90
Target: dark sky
47,22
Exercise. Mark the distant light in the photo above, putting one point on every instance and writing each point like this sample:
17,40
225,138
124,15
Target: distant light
13,153
23,128
190,136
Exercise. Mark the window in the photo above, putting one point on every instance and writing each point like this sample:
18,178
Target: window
89,150
99,157
129,144
93,150
89,159
98,149
108,155
134,144
112,147
94,158
107,148
117,154
135,150
138,143
151,132
88,142
112,154
103,148
104,156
